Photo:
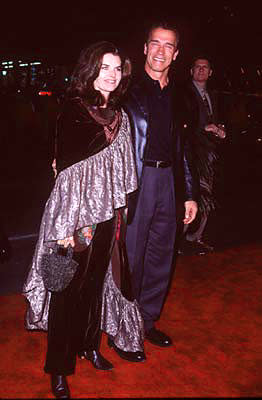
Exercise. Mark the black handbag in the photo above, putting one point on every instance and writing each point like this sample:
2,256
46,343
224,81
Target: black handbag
58,267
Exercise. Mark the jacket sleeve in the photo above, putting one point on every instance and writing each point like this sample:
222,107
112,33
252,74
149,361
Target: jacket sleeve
191,178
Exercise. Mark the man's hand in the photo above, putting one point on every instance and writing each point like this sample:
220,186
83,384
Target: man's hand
190,211
218,130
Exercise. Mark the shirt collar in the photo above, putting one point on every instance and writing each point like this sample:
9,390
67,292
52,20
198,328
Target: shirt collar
200,89
154,83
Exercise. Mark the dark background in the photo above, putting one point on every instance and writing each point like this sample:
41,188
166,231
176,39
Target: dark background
229,32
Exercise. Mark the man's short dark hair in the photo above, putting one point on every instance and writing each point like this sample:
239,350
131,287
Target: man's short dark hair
201,57
163,25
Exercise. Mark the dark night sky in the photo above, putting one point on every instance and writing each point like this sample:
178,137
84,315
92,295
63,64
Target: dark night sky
228,30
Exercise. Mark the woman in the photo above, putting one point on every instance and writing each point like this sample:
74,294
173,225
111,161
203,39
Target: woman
86,209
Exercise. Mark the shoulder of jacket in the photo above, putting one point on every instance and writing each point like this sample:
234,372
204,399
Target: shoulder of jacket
74,110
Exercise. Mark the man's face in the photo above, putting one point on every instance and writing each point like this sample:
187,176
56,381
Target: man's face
201,71
160,50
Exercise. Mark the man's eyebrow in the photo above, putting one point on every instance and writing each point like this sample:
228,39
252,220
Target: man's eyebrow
158,41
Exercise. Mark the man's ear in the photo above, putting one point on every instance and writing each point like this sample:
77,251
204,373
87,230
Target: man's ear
145,48
175,54
210,72
191,71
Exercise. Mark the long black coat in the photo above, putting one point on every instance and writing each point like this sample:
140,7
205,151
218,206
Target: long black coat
204,144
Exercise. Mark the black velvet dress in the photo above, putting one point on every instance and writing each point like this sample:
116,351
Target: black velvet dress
88,201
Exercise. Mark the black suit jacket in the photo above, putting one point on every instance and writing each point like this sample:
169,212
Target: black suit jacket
204,144
199,118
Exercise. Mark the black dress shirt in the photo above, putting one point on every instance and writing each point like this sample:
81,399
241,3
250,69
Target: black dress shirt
160,117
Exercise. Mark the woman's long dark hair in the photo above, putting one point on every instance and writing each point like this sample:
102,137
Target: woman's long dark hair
87,70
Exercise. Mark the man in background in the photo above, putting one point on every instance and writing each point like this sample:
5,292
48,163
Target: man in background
206,136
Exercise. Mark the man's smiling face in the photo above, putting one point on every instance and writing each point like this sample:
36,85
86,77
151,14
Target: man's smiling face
160,50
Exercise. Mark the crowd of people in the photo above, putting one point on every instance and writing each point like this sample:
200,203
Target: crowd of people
129,155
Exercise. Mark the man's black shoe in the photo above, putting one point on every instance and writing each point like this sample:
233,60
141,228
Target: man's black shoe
96,358
206,246
60,387
158,338
194,248
133,356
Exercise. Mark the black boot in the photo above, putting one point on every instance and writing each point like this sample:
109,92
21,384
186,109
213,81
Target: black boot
60,387
96,358
133,356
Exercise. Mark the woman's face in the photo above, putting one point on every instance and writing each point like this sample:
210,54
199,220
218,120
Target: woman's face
110,74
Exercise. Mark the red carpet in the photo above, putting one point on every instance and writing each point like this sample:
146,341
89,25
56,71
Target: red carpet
213,313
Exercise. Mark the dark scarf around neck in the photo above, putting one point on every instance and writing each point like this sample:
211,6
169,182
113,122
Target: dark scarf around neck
108,118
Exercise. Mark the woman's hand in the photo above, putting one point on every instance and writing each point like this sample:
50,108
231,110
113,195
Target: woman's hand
67,241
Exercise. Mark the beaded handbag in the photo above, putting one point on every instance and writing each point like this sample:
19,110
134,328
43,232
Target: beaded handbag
58,267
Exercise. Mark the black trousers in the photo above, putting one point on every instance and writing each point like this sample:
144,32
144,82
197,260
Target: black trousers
150,241
75,313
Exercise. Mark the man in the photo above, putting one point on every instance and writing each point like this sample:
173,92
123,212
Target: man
158,128
202,106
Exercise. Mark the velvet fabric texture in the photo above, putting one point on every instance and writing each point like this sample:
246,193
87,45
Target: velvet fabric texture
88,128
75,313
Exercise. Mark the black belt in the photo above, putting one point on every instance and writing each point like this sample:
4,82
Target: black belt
157,164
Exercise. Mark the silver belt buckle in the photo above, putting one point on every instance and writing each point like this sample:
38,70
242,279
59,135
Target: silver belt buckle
158,163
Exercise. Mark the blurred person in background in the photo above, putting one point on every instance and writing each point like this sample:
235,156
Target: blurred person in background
207,134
